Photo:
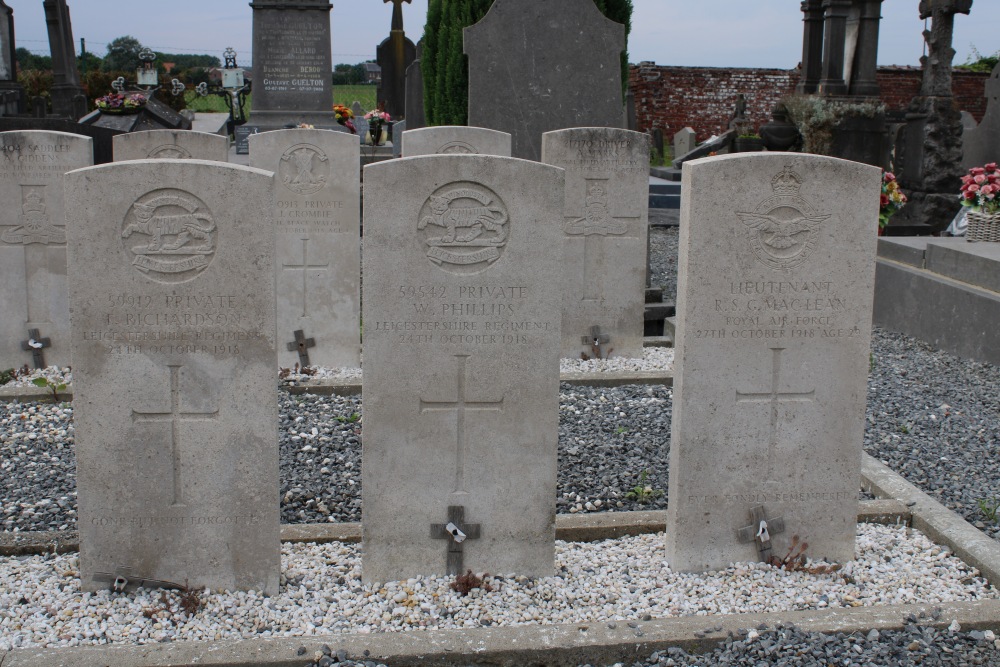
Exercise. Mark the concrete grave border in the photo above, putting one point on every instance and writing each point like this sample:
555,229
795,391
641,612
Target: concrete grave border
572,643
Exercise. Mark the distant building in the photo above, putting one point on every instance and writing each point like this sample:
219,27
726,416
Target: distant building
373,73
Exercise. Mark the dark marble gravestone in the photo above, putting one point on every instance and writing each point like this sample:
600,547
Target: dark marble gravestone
292,63
567,72
394,55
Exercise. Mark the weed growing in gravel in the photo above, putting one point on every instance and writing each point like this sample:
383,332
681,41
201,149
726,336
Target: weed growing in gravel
54,387
466,582
12,374
350,419
795,560
642,493
989,508
620,430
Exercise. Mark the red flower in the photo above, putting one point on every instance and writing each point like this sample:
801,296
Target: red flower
883,200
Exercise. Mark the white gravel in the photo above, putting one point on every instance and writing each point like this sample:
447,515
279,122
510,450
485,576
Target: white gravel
614,581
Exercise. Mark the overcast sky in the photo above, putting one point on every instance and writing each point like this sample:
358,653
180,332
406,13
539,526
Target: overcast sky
734,33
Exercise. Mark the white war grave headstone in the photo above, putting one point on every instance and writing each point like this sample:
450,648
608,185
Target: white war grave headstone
34,325
172,301
605,229
170,144
776,277
684,142
456,140
461,312
317,223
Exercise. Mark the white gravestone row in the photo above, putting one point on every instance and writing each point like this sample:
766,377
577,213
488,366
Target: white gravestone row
34,325
317,223
174,347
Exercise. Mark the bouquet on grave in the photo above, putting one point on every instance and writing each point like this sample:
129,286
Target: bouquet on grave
120,102
377,117
890,200
980,188
344,116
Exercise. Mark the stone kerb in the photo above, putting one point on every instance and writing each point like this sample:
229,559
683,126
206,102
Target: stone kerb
775,287
461,312
456,140
34,312
170,144
173,341
317,211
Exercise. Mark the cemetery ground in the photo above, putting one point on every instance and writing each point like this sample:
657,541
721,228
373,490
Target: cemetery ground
931,417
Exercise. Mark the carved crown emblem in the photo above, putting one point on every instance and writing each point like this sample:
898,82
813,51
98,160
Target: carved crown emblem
786,183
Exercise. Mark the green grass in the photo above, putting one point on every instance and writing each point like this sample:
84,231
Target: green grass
345,95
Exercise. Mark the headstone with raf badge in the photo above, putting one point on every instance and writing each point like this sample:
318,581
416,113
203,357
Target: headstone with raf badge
316,219
34,324
172,302
775,283
456,140
461,366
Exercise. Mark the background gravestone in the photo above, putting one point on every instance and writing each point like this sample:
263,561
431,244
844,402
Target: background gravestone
12,99
461,373
316,212
456,140
414,103
33,245
775,281
684,142
394,55
397,138
172,297
567,72
605,227
172,144
981,143
292,64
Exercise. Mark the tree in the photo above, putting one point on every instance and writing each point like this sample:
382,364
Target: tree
123,54
445,67
27,60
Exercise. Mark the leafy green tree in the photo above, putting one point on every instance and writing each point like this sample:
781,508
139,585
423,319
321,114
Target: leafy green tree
123,54
27,60
445,67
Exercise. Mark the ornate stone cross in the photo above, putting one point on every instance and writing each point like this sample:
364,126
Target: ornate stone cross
301,344
35,344
760,531
457,532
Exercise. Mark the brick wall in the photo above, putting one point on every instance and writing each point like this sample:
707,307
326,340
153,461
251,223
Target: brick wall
703,98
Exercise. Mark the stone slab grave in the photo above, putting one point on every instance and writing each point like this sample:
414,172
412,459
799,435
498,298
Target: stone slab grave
397,138
172,298
461,312
456,140
170,144
292,63
317,210
684,142
981,143
567,72
604,229
776,276
34,324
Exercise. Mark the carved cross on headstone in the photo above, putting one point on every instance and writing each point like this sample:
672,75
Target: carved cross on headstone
175,417
35,344
595,340
457,532
305,267
760,531
774,398
301,344
460,405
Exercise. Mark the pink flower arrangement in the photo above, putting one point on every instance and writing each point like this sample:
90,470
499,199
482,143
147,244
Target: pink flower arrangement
377,117
980,189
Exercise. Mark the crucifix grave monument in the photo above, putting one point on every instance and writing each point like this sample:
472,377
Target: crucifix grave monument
172,294
33,244
461,315
776,275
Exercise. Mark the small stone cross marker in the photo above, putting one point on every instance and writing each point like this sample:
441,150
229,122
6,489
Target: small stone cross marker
457,531
760,531
596,338
35,344
301,344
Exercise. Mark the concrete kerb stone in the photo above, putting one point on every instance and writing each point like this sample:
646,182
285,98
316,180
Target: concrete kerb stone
584,527
555,645
573,644
939,523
